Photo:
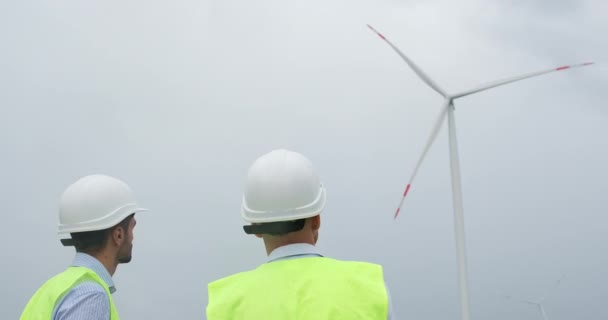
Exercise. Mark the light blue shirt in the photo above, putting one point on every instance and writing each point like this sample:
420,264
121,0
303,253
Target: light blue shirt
86,301
300,250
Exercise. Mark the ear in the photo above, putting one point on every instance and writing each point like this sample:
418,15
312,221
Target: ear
258,235
118,235
315,222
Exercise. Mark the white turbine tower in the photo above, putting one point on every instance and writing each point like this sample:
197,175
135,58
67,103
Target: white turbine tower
448,108
539,303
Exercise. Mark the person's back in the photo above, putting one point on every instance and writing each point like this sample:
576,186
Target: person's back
304,288
283,201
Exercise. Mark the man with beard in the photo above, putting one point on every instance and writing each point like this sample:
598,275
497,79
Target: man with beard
98,212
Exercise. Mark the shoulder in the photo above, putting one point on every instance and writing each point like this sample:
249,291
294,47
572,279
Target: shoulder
365,273
360,265
228,279
87,300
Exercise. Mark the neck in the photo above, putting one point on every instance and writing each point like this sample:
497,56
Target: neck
273,242
108,260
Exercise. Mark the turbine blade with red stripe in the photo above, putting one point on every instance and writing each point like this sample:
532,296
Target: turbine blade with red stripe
427,146
412,65
518,78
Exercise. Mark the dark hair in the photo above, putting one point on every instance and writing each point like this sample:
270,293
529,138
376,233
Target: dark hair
279,228
94,241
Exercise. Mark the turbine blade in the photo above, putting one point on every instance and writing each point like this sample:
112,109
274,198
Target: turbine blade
557,284
542,311
536,303
429,143
412,65
518,78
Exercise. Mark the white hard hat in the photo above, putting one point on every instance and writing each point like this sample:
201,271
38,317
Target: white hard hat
95,202
282,186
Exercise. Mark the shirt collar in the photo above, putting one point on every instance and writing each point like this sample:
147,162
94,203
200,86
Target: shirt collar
294,250
88,261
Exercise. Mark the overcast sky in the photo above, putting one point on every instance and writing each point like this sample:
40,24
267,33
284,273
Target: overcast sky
178,98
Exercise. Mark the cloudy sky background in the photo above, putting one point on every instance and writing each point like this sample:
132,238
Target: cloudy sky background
178,98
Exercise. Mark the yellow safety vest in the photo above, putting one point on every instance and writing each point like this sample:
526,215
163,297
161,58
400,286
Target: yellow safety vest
42,304
316,288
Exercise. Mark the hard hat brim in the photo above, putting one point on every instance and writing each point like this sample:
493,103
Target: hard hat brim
310,210
104,223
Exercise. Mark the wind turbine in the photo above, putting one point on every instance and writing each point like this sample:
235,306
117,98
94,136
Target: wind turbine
448,108
539,303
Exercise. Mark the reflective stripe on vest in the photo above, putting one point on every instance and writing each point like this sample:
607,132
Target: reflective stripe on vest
42,304
306,288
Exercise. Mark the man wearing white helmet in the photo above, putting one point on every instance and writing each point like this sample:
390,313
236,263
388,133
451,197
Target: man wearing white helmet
283,200
98,212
